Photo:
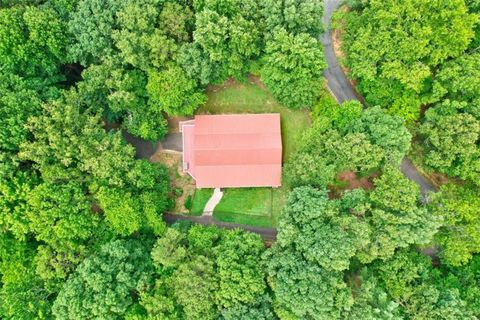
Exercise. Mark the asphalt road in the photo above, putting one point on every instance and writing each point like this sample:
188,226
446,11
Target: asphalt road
343,90
173,142
267,234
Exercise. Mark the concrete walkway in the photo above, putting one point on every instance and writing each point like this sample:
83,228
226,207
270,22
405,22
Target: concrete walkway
213,202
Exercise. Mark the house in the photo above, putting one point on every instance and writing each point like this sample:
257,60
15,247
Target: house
226,151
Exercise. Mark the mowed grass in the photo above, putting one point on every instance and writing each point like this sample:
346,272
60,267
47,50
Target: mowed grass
200,199
252,206
255,206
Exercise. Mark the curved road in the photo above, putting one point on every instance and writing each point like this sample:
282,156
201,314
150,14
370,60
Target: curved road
343,90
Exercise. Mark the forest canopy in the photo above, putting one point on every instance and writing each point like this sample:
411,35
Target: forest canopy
82,216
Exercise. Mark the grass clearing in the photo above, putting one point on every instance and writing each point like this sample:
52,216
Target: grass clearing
252,206
200,199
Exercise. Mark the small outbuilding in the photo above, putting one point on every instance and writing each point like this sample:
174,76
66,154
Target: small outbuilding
231,151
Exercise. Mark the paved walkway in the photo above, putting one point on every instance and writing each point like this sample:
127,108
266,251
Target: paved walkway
144,149
213,202
343,90
172,142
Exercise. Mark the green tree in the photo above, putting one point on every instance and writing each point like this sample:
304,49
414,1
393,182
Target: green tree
304,290
327,112
173,92
394,48
241,277
397,216
32,41
459,235
104,284
17,102
230,42
451,133
410,280
194,285
61,215
293,66
305,169
22,293
260,309
295,16
386,131
457,79
316,228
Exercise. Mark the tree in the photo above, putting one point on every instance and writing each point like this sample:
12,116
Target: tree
17,102
352,151
394,52
32,41
465,280
230,42
260,309
71,145
451,133
371,300
329,114
15,189
121,93
61,215
170,250
305,290
22,293
294,15
194,285
92,25
305,169
293,66
459,236
316,228
457,79
171,91
397,217
104,284
410,280
386,131
241,277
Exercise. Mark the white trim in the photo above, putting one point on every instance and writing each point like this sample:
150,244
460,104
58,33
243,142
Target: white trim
182,124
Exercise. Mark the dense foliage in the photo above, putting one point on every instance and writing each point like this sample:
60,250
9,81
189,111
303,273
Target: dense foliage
395,48
82,234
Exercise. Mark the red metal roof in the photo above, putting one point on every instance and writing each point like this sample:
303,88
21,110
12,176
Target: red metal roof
221,151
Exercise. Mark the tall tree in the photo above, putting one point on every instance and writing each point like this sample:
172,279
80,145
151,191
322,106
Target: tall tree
394,52
293,66
459,235
104,284
451,133
33,41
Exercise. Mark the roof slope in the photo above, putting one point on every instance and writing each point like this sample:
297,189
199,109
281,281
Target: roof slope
234,150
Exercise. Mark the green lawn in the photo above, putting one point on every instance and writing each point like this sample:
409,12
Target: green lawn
255,206
200,199
252,206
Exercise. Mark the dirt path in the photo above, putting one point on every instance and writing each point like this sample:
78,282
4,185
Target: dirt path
343,90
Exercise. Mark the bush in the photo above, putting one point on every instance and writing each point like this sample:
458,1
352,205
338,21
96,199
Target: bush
189,203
